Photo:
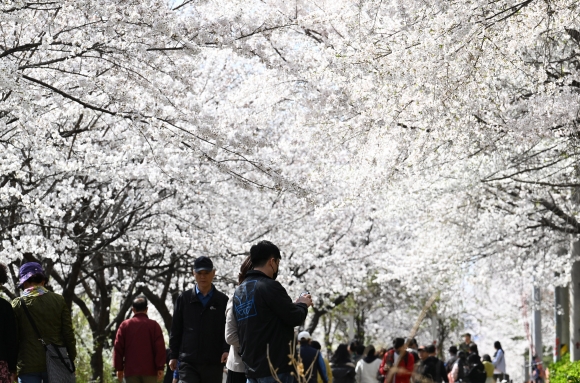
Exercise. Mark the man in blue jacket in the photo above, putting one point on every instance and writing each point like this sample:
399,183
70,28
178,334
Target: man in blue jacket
266,317
312,360
197,335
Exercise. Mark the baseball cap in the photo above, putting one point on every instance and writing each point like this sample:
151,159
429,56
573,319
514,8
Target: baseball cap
303,335
202,263
28,270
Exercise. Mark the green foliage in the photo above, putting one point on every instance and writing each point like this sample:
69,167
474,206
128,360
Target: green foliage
85,350
565,371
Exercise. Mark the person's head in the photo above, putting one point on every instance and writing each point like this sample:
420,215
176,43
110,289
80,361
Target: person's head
304,338
265,256
497,345
473,359
341,355
370,351
382,352
412,343
461,355
353,346
244,268
139,304
453,350
3,274
430,350
422,351
315,345
360,349
398,344
486,358
203,272
467,338
473,349
31,274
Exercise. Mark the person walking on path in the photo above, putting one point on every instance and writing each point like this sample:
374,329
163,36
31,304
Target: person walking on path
197,335
368,367
235,365
431,367
459,369
318,346
412,348
266,317
486,360
53,320
8,336
311,359
139,350
404,369
452,359
343,369
476,371
499,362
466,343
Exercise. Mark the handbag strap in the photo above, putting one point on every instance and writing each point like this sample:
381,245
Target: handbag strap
23,304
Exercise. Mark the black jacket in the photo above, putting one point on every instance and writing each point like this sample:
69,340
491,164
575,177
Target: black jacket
8,335
197,332
343,373
266,316
476,373
434,369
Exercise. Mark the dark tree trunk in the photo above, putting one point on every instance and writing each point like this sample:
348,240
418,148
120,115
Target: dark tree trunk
97,364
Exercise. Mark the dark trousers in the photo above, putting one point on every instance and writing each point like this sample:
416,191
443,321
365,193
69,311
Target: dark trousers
200,373
236,377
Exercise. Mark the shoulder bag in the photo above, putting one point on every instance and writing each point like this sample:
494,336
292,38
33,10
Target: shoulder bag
58,364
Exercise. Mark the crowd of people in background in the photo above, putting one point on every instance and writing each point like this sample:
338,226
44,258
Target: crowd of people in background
251,332
406,362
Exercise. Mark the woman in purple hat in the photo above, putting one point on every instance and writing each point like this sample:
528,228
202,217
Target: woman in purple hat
52,318
8,339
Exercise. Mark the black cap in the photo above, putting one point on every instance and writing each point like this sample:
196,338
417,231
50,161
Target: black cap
202,263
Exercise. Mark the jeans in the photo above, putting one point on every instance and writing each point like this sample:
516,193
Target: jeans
36,377
285,377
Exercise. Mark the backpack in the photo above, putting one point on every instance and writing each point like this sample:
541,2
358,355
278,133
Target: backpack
461,369
477,374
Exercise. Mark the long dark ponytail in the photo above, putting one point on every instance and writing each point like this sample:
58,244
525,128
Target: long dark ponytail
244,268
497,347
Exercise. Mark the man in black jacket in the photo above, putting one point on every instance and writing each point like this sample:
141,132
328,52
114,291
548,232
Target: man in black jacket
197,336
266,317
431,367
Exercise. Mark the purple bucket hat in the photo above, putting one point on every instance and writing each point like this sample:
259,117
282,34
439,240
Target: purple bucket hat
28,270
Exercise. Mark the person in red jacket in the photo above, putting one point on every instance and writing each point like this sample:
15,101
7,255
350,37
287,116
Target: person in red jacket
406,362
139,351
